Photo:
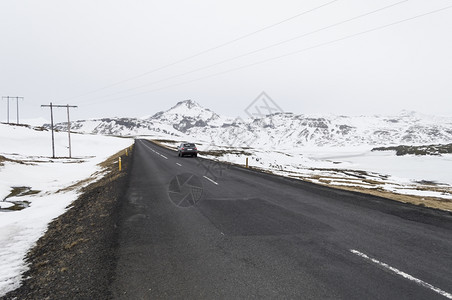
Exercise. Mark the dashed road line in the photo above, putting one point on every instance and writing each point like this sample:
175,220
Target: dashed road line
210,180
403,274
154,151
179,164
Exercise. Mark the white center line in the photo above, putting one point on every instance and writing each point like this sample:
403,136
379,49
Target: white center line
403,274
155,151
210,180
148,147
179,164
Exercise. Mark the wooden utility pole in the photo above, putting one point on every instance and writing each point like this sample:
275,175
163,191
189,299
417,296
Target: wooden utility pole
17,106
51,127
68,125
69,130
7,108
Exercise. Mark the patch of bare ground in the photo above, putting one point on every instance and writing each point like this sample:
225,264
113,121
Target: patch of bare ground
75,259
18,191
21,191
3,159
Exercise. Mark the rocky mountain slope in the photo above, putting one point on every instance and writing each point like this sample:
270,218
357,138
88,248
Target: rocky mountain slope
188,120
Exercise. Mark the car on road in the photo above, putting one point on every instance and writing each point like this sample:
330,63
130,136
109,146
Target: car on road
187,149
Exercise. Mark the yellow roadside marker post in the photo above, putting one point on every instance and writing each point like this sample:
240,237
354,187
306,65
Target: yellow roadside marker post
120,163
247,162
126,152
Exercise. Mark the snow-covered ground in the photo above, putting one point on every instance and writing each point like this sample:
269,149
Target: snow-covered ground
424,176
410,167
40,184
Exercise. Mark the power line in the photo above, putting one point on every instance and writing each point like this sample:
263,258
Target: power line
287,54
255,51
205,51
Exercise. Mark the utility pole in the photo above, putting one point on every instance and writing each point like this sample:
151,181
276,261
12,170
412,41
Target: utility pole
17,103
7,108
68,125
69,129
17,110
17,106
51,126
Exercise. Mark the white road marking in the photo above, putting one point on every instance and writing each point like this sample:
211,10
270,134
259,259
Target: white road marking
403,274
210,180
148,147
179,164
154,151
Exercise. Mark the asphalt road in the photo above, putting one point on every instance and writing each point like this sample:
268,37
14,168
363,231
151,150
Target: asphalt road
194,229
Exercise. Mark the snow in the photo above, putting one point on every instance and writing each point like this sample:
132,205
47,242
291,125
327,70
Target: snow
6,204
35,122
19,230
410,167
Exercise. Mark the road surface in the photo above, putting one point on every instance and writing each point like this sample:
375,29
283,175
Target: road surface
194,229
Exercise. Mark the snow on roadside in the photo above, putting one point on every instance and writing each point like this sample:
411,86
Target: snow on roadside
37,181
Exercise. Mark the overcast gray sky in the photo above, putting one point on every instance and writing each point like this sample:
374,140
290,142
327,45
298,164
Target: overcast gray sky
62,51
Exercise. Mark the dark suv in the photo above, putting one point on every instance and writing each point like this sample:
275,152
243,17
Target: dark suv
187,149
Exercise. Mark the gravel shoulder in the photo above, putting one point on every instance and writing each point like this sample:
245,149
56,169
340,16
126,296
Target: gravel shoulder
76,257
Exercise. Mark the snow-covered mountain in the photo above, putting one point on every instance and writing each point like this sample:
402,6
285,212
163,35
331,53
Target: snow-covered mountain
188,119
174,122
188,114
118,126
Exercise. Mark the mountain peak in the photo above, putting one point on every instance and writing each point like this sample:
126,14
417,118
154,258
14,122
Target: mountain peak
188,103
408,113
187,114
187,108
